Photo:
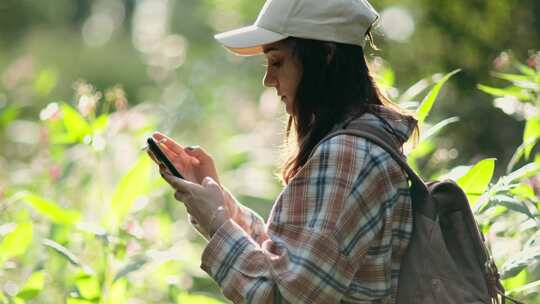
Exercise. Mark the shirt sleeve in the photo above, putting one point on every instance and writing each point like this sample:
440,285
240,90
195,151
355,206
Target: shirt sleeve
247,219
303,260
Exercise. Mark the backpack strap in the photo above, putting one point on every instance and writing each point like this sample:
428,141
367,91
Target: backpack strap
383,139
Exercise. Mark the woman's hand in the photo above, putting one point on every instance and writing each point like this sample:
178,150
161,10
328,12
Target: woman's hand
204,202
194,163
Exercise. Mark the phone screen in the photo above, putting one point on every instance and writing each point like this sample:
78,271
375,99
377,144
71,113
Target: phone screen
154,148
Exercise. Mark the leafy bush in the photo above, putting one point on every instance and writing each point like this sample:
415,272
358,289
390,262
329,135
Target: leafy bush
84,213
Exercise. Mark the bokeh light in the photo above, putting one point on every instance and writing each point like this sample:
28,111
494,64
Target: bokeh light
397,23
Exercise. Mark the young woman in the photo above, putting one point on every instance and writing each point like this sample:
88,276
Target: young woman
338,230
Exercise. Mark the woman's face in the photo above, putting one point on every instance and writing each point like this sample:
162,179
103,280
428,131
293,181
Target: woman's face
283,72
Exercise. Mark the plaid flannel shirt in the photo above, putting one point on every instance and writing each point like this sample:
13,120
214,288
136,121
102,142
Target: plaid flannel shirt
336,233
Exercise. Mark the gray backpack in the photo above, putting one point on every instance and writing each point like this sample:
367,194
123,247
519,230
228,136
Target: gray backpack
447,261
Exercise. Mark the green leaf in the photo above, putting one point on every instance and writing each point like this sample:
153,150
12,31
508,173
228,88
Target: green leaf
515,91
100,123
455,173
132,186
131,267
45,81
525,288
426,105
515,78
16,242
7,228
388,77
78,301
65,253
76,126
525,69
438,128
32,287
512,204
422,149
522,260
88,286
385,77
525,191
531,135
476,181
117,293
7,115
16,301
414,90
518,154
518,280
526,171
51,210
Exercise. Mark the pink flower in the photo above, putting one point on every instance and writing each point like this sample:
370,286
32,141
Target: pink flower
534,61
132,247
87,105
134,228
55,172
51,112
502,61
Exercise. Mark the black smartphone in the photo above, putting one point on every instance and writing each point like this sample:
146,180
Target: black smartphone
154,148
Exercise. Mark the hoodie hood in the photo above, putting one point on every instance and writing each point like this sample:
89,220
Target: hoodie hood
400,126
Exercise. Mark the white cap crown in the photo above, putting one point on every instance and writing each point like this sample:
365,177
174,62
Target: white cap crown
344,21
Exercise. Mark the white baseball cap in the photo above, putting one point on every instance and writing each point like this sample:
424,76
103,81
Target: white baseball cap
345,21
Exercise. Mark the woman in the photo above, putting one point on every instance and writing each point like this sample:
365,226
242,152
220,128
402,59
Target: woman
338,230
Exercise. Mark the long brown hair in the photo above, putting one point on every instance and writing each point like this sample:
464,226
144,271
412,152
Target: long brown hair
336,82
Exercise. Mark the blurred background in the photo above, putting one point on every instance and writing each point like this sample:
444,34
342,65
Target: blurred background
82,83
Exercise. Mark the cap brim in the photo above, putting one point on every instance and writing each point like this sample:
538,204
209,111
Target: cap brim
248,41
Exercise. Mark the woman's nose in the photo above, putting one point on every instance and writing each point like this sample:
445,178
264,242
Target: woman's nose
269,80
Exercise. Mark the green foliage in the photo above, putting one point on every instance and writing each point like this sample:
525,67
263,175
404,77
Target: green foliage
82,213
132,186
49,209
426,105
32,287
66,254
77,128
513,199
16,242
476,180
134,265
88,287
518,262
531,135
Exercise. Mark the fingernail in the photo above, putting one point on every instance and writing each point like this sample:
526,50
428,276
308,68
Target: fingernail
191,148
